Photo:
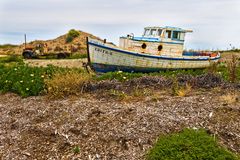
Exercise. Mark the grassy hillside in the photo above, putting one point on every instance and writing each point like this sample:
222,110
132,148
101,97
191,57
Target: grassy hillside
61,43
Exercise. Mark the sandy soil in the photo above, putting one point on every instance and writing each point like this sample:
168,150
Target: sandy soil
3,55
70,63
104,128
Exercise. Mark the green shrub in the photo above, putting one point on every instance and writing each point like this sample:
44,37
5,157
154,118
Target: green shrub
76,150
124,76
119,75
11,58
174,73
229,73
28,81
78,56
189,144
220,69
24,80
7,46
69,39
71,35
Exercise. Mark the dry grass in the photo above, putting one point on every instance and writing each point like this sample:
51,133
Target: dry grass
230,98
142,92
227,56
121,95
232,67
137,94
183,91
71,83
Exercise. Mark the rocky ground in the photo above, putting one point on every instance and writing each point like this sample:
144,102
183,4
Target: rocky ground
106,128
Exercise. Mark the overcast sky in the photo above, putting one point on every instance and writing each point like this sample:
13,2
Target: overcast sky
216,23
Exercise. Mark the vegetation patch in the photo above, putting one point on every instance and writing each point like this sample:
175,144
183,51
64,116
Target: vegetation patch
72,34
125,76
7,46
77,56
188,144
119,76
11,58
56,81
230,98
70,83
181,91
21,79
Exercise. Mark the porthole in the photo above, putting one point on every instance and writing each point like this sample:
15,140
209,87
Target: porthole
160,47
144,46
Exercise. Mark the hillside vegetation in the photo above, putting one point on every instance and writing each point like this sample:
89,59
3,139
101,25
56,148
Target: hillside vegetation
73,41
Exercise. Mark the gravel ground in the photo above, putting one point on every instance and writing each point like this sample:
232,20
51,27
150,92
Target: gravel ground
105,128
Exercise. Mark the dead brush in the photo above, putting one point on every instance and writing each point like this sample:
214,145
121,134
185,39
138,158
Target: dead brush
230,98
212,69
232,68
181,91
141,92
118,94
71,83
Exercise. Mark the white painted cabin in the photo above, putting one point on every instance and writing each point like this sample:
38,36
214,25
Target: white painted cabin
162,41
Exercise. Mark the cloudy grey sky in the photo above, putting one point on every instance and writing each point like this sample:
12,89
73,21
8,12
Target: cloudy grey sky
216,23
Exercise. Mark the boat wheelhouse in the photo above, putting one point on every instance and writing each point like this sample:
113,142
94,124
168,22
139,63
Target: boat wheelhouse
167,41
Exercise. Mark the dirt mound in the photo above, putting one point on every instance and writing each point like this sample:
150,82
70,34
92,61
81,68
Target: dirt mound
77,45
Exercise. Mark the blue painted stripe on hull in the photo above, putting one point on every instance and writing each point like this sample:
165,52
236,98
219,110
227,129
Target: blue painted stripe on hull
150,56
180,42
111,68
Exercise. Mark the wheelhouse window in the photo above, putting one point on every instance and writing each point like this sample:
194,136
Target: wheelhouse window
182,36
159,32
147,32
168,34
153,32
176,35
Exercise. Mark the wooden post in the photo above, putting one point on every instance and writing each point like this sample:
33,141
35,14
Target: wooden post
88,55
25,40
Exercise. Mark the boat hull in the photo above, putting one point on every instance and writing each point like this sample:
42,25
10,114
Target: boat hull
105,58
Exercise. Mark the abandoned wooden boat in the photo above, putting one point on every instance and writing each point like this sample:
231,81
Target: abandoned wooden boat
160,48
